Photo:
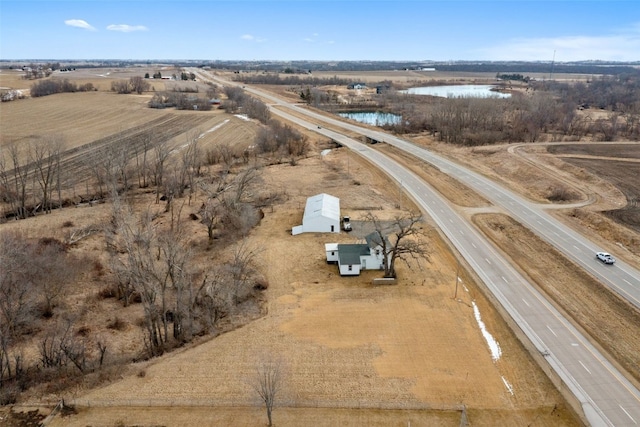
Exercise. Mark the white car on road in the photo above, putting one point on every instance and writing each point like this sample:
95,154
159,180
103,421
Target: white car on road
605,257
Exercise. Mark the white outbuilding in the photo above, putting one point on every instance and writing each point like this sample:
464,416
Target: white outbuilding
321,215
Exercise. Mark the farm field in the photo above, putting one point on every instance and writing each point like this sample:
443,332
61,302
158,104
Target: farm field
355,354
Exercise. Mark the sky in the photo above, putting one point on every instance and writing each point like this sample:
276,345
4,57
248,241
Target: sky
322,30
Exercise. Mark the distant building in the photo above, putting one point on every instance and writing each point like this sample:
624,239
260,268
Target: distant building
358,85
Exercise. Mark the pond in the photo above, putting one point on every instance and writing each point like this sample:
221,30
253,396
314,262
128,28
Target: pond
376,118
458,91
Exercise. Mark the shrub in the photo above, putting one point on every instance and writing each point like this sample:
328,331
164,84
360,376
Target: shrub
561,194
110,291
117,324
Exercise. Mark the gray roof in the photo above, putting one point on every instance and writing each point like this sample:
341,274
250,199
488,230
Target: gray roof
350,254
373,240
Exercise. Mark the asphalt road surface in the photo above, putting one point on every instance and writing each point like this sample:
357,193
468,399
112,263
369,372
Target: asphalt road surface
606,396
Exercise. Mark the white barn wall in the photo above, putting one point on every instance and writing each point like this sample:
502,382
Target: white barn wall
321,215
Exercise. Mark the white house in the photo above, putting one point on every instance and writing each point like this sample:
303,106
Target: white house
353,258
321,214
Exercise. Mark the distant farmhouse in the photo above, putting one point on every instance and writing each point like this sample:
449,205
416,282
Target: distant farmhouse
321,214
358,85
353,258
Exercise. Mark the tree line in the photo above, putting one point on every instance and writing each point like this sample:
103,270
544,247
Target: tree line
276,79
51,87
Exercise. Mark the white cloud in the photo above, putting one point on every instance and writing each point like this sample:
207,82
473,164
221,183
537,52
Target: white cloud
251,38
621,46
79,23
126,28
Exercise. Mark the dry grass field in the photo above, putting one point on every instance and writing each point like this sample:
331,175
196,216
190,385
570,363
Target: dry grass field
355,354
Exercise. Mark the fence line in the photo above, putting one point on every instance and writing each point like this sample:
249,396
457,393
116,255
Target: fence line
282,403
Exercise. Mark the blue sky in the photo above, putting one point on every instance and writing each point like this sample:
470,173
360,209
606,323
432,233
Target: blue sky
321,30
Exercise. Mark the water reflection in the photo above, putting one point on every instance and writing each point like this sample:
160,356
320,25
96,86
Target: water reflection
458,91
376,118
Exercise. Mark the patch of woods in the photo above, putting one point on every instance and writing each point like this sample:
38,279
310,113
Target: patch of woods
182,286
35,278
51,87
603,110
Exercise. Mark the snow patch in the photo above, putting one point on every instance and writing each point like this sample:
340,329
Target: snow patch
325,152
494,347
243,117
507,385
216,127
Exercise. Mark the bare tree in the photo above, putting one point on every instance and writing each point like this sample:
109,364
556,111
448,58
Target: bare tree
52,271
45,156
211,209
135,239
267,383
157,265
142,156
138,84
241,271
191,163
17,298
406,231
212,300
121,86
161,153
18,180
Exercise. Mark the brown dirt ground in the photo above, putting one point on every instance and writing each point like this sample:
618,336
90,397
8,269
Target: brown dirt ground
346,343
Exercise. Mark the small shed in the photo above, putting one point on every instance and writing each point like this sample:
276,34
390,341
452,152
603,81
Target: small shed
321,215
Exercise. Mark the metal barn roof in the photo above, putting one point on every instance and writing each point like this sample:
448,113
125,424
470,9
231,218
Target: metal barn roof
323,205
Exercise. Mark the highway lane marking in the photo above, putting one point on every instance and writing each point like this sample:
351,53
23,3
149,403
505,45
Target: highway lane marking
525,301
461,232
554,334
627,282
628,414
474,246
577,248
488,262
505,280
585,368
